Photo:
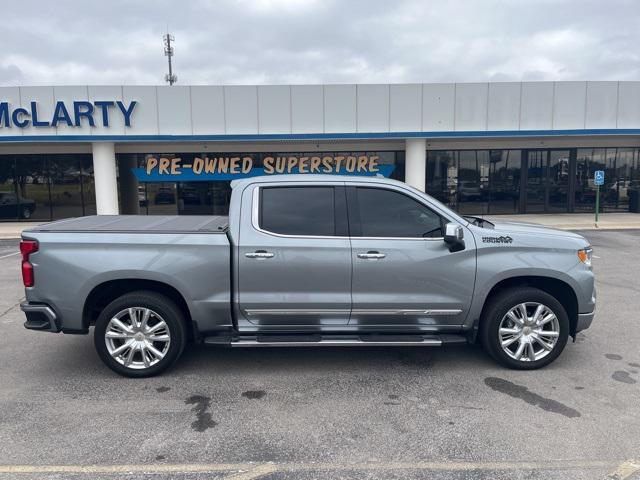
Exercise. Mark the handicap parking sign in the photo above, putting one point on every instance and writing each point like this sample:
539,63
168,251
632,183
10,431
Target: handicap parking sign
598,178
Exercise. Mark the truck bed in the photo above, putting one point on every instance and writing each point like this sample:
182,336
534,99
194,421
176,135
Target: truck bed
138,223
189,254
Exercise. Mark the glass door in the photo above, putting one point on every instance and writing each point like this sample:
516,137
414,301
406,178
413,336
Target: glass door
558,181
442,176
535,189
473,182
547,181
504,181
588,160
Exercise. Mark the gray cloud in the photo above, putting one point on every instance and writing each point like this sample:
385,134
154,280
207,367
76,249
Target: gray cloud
319,41
10,74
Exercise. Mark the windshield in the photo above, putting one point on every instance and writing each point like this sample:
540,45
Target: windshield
478,221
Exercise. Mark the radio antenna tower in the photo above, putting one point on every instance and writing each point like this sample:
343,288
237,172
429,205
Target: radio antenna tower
170,77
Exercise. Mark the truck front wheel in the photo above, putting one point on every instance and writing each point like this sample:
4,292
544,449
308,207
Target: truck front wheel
140,334
524,328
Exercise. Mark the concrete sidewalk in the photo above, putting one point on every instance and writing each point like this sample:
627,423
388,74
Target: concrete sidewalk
564,221
14,229
576,221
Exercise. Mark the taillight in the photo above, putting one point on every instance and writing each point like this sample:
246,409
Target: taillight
27,247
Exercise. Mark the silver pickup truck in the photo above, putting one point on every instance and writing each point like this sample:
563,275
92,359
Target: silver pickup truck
308,260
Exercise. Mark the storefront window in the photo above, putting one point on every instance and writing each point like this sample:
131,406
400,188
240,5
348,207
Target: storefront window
622,174
535,187
161,198
32,187
88,185
8,194
558,181
620,169
504,181
442,177
65,176
46,187
43,187
588,160
475,182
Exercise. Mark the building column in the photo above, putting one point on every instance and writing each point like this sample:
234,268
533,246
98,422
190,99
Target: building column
416,162
128,185
105,178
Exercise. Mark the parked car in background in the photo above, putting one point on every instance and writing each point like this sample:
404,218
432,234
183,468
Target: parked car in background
190,196
619,190
13,206
165,195
469,190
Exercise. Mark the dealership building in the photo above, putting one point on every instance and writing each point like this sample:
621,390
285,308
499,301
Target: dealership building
480,148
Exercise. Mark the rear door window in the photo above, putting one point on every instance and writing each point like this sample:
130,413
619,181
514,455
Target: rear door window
298,210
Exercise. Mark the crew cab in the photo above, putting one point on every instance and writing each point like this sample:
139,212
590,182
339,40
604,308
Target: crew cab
308,260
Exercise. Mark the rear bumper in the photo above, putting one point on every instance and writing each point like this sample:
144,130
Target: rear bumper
40,317
584,321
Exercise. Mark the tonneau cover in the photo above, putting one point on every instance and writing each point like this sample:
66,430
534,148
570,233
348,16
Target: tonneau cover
138,223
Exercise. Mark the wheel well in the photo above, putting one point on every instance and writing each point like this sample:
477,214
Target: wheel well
106,292
560,290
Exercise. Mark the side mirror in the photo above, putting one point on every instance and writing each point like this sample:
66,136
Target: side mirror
454,237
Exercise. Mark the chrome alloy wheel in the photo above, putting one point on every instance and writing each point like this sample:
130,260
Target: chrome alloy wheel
529,331
137,338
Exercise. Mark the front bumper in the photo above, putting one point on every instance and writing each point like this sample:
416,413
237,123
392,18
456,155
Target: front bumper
40,317
584,321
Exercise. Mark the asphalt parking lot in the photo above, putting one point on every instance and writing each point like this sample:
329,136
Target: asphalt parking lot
328,413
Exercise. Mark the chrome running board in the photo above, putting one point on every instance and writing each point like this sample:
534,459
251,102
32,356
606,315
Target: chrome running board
334,343
333,340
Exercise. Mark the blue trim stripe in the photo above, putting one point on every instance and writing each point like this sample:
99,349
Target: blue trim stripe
319,136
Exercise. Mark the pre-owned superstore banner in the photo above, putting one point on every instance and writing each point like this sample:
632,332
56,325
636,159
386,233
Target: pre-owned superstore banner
205,168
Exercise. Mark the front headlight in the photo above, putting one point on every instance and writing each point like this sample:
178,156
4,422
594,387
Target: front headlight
584,255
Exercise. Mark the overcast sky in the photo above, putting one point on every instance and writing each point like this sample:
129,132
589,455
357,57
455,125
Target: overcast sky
64,42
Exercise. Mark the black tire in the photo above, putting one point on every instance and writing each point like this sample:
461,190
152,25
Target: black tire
159,304
26,213
499,306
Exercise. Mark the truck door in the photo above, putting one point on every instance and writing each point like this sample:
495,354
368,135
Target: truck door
294,256
403,273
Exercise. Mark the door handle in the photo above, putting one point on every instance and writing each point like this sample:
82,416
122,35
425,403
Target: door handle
372,255
259,254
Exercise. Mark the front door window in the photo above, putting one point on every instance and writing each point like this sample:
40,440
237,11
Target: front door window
385,213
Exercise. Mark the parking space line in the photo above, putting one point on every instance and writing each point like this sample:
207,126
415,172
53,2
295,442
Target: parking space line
624,470
249,471
257,472
10,255
125,469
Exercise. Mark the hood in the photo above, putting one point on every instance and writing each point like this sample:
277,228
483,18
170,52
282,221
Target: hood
533,229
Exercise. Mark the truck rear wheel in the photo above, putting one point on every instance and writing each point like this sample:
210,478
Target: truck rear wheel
524,328
140,334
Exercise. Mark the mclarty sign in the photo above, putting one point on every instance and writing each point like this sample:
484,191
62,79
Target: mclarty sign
72,114
205,168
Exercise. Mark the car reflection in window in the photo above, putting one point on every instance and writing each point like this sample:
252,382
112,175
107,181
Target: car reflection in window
12,206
